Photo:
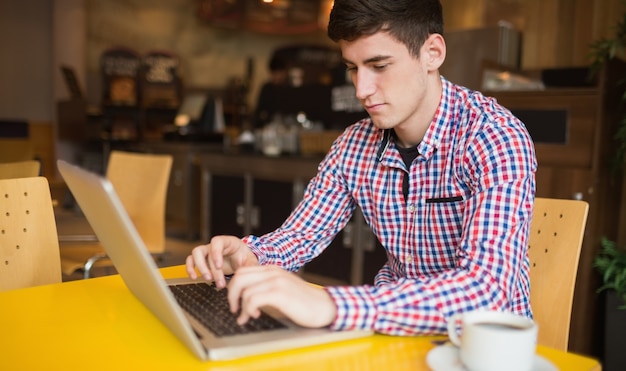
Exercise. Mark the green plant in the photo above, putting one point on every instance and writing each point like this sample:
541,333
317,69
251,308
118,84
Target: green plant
611,263
602,51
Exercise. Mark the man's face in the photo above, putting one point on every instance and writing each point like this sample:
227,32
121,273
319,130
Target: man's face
391,84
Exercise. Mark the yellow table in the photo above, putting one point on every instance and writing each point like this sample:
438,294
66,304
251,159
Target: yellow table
98,324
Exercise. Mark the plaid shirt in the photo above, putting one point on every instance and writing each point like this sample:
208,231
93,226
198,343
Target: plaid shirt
457,243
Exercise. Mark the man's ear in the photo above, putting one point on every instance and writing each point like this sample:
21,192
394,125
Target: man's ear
434,51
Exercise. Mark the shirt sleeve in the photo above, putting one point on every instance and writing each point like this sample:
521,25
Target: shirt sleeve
324,211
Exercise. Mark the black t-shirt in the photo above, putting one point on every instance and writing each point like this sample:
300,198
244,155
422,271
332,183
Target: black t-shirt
408,155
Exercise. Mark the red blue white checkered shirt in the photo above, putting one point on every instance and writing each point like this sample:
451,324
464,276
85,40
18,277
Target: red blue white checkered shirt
458,242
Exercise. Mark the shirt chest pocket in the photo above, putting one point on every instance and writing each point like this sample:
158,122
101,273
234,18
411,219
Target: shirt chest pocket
437,230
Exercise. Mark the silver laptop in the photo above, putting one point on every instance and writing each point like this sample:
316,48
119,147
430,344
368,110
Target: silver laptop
104,211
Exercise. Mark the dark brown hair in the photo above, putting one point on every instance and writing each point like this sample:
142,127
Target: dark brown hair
409,21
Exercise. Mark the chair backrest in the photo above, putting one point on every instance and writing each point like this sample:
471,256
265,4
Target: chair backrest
555,241
19,169
141,181
29,248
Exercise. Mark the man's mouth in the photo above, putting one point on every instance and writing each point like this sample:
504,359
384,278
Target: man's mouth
373,107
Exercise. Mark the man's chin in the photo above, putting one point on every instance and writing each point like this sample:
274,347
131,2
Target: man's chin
381,124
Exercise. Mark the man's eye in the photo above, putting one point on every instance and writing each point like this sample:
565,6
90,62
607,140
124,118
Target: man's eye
380,66
350,68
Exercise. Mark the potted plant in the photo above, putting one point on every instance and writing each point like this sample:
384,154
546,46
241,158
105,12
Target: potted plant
611,263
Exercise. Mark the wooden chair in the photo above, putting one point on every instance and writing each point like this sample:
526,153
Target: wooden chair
141,182
555,242
19,169
29,250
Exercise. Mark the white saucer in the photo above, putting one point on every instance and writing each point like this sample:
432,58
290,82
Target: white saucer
446,358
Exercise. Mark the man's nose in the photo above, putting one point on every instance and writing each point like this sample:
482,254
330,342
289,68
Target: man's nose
364,85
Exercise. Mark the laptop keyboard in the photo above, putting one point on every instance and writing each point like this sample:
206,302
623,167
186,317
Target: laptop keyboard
210,307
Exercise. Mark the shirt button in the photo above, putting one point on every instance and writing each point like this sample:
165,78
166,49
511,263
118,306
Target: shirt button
411,208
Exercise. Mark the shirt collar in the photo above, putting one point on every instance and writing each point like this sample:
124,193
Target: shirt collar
432,137
384,144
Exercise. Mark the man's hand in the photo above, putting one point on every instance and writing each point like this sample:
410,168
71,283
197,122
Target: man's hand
222,256
253,288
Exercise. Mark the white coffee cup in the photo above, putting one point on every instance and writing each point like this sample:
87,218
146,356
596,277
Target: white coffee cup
494,341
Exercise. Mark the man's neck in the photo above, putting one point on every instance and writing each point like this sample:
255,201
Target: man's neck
411,133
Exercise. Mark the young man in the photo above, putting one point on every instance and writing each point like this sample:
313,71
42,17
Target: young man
445,178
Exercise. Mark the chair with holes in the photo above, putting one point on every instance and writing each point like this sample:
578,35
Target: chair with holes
141,181
555,241
29,249
19,169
